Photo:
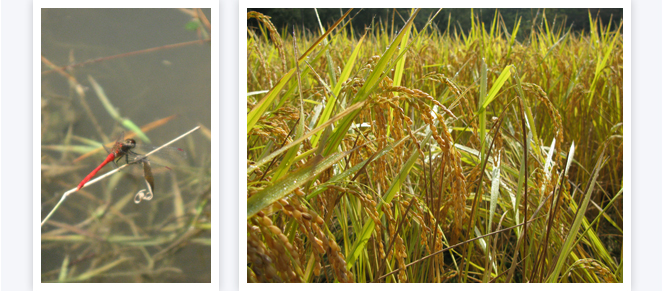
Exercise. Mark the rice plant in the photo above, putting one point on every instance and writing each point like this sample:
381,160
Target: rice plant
417,155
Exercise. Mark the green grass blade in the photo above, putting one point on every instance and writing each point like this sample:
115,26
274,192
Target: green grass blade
600,66
513,38
283,187
492,94
112,111
329,108
330,61
483,87
98,271
400,64
571,237
64,269
287,160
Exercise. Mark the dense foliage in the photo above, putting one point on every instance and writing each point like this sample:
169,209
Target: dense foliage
417,155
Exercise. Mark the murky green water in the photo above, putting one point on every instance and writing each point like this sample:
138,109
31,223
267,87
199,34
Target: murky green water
144,88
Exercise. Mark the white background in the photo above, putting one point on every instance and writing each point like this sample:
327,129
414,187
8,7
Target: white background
16,137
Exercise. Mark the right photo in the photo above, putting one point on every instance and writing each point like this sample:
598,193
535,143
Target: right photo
393,145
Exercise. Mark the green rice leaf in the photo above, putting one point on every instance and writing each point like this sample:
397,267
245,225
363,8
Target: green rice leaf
286,185
492,94
580,214
345,75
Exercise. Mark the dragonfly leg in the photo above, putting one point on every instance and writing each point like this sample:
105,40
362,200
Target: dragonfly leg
135,159
120,158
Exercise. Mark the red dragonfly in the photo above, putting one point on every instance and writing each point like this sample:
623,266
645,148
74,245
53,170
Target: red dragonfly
124,149
119,150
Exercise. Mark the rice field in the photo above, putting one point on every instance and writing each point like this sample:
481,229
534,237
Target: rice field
431,154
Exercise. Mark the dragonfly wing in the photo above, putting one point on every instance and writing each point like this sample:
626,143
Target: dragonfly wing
147,173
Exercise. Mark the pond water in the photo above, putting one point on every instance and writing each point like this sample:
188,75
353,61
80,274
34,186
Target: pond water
149,241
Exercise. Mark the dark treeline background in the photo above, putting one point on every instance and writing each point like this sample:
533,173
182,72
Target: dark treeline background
577,19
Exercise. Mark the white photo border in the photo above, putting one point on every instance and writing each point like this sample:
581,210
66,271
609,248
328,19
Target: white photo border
36,143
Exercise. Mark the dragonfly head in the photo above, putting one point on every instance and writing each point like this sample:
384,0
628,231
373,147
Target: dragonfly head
129,143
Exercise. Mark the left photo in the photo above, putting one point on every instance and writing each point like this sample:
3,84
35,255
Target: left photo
125,146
